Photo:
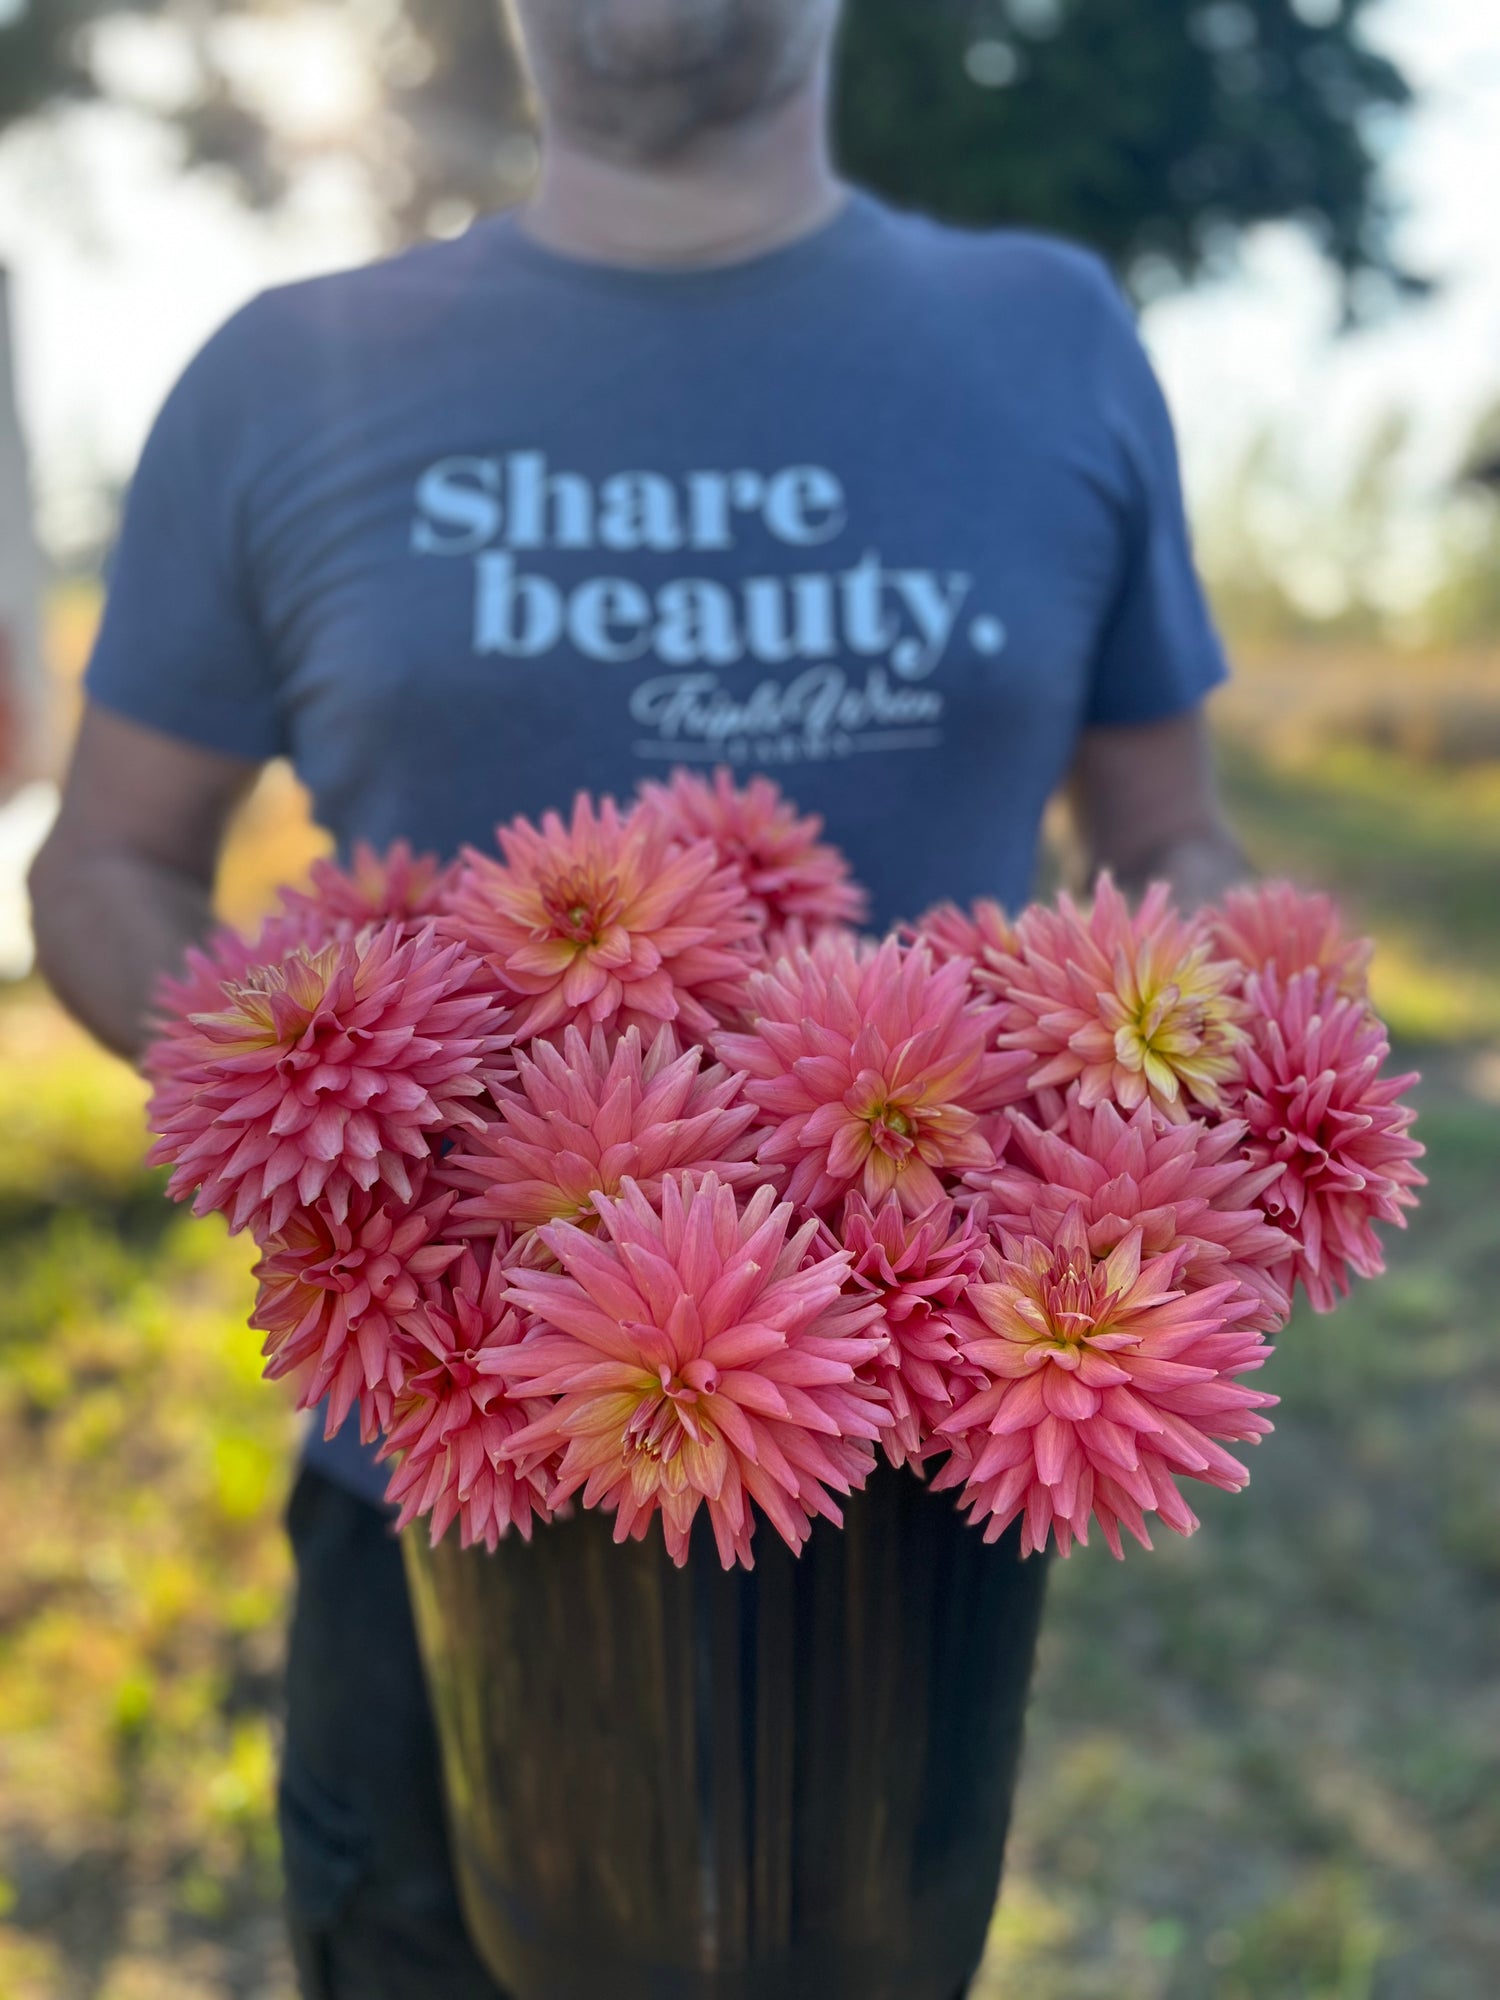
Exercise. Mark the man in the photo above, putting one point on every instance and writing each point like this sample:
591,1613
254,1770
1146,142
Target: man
699,458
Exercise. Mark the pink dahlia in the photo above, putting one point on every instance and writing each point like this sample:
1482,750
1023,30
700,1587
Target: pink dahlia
1106,1383
983,933
1318,1106
786,940
228,957
873,1068
395,887
917,1270
699,1356
1276,928
1121,1005
209,971
1189,1186
325,1072
341,1297
584,1118
453,1416
789,874
606,923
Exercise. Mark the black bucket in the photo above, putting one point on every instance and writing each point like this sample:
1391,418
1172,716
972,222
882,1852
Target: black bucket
793,1782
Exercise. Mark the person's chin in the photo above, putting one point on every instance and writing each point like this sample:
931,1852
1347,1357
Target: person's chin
655,127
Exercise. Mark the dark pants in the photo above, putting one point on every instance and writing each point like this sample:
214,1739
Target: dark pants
371,1901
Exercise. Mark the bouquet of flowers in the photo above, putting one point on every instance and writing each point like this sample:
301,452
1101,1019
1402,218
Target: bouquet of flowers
619,1167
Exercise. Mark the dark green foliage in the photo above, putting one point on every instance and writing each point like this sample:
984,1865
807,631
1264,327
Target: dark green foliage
39,62
1149,128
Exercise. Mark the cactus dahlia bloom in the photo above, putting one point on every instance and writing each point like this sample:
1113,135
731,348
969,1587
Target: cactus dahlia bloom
1276,928
395,887
697,1357
584,1118
982,933
1317,1106
230,955
790,876
323,1073
606,923
916,1269
872,1068
228,958
1106,1383
1189,1186
453,1416
339,1292
1124,1006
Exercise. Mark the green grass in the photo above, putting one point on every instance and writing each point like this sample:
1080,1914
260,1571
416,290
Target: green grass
142,1574
1263,1764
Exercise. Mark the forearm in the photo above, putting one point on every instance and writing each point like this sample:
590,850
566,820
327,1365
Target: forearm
1146,806
108,925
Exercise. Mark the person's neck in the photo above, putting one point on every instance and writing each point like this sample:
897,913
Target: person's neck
733,196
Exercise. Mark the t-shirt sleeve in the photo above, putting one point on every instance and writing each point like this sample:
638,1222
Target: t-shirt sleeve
179,647
1159,653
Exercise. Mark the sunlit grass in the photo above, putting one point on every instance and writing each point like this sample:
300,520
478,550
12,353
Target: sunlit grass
142,1574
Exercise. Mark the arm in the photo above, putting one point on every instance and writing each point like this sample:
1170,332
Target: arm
1145,801
124,883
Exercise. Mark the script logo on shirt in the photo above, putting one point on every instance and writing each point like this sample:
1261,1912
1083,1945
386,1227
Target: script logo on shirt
851,650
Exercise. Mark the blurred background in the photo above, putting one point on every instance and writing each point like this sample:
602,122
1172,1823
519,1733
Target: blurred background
1264,1765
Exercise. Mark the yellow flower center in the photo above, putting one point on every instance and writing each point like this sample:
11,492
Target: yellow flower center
893,1131
1177,1030
580,906
274,1003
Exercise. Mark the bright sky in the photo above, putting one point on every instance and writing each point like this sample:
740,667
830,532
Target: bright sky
121,267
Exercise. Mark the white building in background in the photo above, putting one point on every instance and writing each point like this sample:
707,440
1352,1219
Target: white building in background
28,800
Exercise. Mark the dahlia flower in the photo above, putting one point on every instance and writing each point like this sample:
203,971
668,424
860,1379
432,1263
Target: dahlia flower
395,887
699,1356
789,875
1276,928
1189,1186
1124,1006
453,1416
917,1270
982,933
1106,1382
325,1072
1318,1107
786,940
606,923
228,958
584,1118
339,1292
872,1069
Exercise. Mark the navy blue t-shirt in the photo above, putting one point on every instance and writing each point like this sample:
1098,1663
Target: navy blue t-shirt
892,514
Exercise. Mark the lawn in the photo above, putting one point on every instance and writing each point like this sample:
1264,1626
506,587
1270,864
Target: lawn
1263,1765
